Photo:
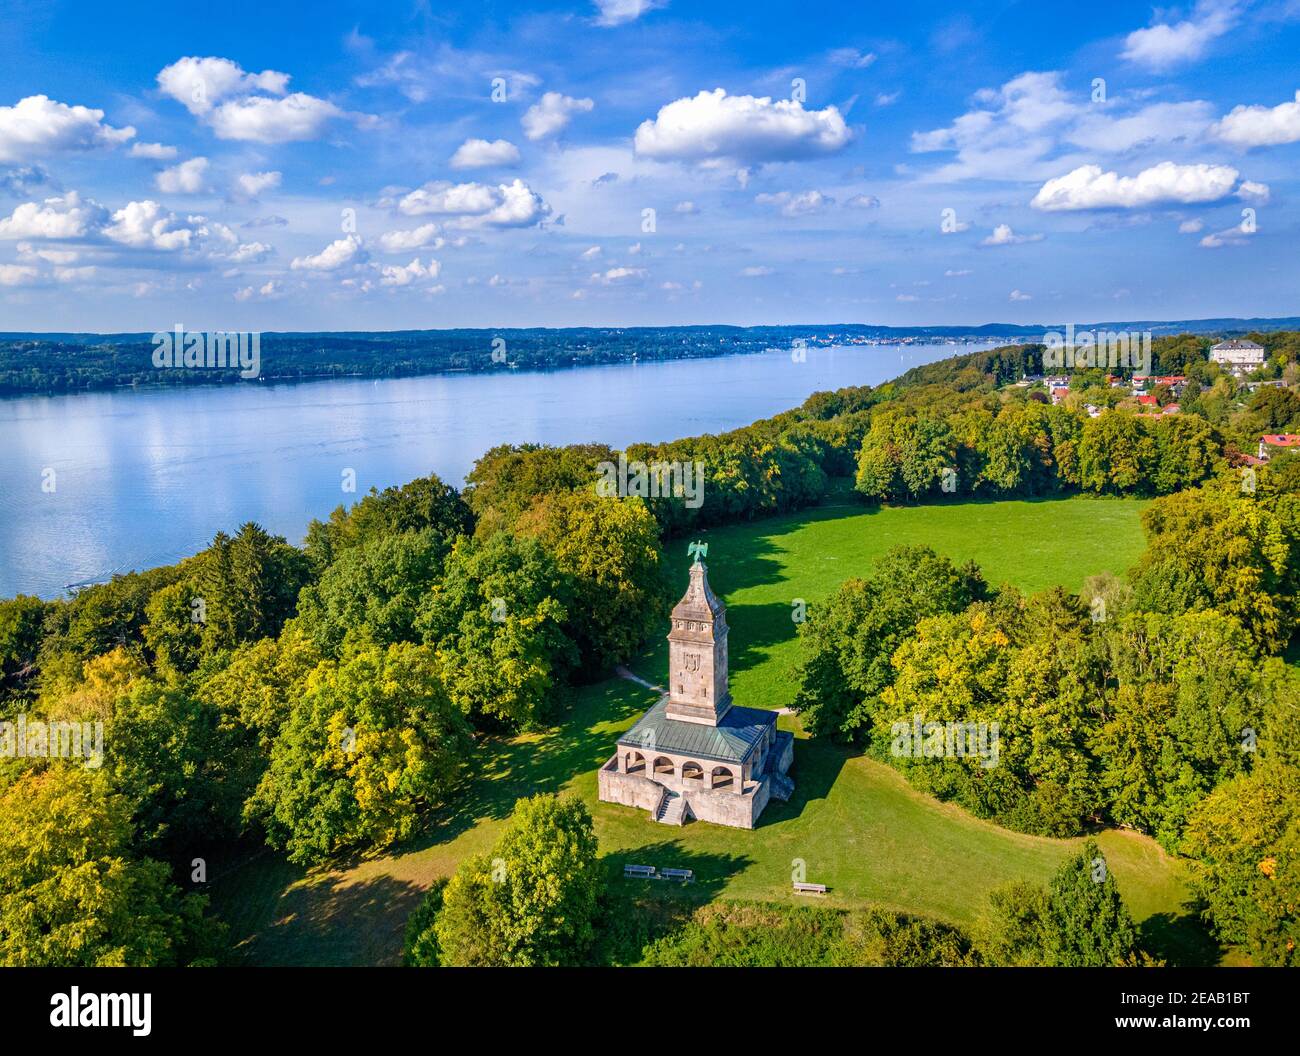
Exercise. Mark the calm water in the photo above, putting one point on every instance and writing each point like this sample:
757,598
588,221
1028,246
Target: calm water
146,478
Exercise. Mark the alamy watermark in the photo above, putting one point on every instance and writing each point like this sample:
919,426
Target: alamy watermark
1086,349
37,739
208,350
946,740
654,480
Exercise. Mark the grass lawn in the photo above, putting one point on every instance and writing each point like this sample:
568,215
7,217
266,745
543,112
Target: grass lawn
856,824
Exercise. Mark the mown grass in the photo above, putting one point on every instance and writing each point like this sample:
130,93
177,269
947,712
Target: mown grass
855,824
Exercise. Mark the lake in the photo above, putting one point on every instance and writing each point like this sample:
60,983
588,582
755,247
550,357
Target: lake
110,482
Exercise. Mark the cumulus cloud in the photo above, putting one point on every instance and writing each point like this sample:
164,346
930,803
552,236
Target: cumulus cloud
512,204
251,184
423,237
686,208
740,128
800,204
1019,295
863,201
393,275
251,107
38,126
250,253
18,275
334,256
66,217
552,114
619,276
481,154
1003,236
153,151
1168,44
1261,126
147,225
268,291
185,178
198,84
1088,187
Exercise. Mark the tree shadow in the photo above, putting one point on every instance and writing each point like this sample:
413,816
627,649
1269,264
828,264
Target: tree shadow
330,920
637,912
1180,940
816,767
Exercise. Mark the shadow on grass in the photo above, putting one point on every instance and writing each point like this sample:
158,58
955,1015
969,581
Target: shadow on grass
1181,941
329,921
636,912
816,768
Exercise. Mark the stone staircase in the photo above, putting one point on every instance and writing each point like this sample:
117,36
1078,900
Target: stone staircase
782,786
671,810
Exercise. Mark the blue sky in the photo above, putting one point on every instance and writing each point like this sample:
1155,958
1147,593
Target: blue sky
378,166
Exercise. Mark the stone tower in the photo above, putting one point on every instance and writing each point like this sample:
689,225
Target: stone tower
697,654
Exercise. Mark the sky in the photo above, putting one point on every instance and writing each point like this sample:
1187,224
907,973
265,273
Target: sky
374,166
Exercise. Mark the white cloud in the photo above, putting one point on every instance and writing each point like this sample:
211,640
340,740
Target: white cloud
1019,295
403,276
851,57
334,256
1261,126
250,107
618,12
1255,193
269,291
68,217
153,151
741,128
686,208
259,119
423,237
1191,227
619,276
800,204
512,204
250,253
591,253
185,178
756,271
1003,236
38,125
863,201
1238,235
1088,187
552,114
956,273
1016,128
251,184
199,83
147,225
1170,43
480,154
18,275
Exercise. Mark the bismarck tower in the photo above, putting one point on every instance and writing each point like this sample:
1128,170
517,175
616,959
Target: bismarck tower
697,654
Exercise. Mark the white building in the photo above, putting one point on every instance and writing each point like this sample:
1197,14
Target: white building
1240,357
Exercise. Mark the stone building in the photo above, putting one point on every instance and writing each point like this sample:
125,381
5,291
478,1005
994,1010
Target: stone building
696,753
1239,356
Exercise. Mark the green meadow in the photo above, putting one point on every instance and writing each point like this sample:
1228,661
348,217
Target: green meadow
855,824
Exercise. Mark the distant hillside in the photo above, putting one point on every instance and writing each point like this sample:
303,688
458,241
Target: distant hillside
52,363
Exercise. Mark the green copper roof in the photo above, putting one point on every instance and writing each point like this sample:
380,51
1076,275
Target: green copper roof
730,741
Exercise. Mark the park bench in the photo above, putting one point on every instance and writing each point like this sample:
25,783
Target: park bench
686,876
645,871
809,889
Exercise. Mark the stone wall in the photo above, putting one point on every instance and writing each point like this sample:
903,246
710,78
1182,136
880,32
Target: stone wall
631,790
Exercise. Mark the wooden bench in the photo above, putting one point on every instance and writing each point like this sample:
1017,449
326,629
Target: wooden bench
646,872
809,889
686,876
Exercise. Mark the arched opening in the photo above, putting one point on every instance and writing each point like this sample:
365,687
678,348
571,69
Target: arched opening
722,777
692,772
635,762
664,765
